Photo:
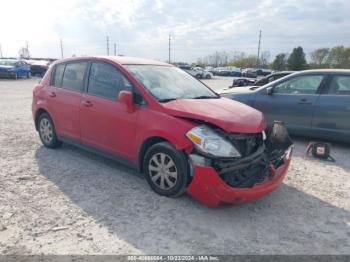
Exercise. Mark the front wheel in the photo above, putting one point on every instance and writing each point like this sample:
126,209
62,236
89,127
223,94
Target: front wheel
166,170
47,131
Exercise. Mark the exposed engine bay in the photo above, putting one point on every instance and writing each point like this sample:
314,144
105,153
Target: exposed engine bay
259,152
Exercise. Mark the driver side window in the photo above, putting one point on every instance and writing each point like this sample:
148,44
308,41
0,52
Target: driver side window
299,85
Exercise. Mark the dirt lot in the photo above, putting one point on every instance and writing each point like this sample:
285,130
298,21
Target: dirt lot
67,201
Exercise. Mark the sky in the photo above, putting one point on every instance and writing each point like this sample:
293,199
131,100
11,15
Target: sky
197,28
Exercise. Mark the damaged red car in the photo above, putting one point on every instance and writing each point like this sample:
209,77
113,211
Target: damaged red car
165,123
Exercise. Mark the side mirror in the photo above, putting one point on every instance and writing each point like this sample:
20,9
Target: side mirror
269,90
127,98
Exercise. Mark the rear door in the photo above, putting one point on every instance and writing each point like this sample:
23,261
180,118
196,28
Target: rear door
332,111
292,101
64,97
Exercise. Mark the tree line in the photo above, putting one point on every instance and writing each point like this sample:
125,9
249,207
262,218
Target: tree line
335,57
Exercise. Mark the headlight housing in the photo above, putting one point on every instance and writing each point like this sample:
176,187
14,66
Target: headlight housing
209,142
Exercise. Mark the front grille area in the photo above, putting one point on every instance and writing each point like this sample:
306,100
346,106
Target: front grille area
257,156
246,143
245,172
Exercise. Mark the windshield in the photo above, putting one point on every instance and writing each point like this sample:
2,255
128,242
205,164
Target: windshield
167,83
7,62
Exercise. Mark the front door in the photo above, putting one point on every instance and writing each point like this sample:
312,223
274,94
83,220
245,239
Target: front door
104,122
292,101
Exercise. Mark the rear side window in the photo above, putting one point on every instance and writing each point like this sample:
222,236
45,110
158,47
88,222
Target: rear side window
340,85
57,77
107,81
308,84
73,77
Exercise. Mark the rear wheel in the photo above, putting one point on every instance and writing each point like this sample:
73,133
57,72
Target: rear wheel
28,75
166,170
47,131
15,76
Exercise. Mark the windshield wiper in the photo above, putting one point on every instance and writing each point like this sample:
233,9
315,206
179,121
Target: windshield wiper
204,97
164,100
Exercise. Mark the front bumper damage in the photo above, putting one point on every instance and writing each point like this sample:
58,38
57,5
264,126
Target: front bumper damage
218,183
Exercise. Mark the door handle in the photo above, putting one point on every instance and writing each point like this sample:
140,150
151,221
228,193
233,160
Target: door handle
87,103
52,94
304,101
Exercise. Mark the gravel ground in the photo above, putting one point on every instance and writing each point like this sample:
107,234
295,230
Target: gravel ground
67,201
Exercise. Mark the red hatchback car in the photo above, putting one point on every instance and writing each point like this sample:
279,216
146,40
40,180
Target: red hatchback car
167,124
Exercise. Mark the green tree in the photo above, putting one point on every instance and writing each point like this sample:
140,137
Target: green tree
319,58
280,62
339,57
296,60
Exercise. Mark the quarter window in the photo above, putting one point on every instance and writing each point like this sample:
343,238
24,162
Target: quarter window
57,78
340,85
73,77
299,85
107,81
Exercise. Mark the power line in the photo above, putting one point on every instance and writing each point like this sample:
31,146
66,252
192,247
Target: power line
259,49
107,39
61,45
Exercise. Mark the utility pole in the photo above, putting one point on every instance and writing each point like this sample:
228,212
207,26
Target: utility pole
115,49
0,50
61,45
259,49
169,48
107,38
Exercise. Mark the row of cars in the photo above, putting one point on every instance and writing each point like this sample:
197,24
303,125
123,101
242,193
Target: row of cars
20,68
238,72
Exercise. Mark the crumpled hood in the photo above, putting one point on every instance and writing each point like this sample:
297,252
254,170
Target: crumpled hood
6,67
225,113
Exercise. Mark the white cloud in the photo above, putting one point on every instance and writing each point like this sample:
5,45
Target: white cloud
198,27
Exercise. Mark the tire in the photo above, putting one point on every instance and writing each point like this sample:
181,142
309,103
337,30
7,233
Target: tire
166,170
47,131
28,75
15,76
208,76
198,76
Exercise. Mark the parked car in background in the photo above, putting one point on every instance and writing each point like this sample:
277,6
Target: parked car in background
197,72
312,103
272,77
38,67
204,73
263,72
14,68
249,72
216,149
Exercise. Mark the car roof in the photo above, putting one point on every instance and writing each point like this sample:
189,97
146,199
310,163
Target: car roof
123,60
335,71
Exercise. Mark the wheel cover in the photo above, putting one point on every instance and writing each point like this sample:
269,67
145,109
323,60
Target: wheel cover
46,131
162,171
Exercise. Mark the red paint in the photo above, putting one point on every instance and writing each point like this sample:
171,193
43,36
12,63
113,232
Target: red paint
225,113
121,128
208,188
